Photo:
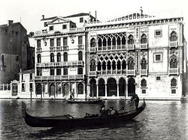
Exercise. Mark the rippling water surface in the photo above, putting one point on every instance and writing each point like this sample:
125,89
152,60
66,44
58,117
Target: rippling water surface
161,120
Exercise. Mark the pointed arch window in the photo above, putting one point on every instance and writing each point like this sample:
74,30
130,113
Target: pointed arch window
104,65
92,42
118,65
118,40
143,83
130,63
109,41
104,42
113,41
109,65
123,64
173,62
130,39
173,82
173,36
143,63
143,39
99,43
99,66
92,65
123,40
113,65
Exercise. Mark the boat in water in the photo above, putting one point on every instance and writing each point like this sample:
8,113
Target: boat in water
68,121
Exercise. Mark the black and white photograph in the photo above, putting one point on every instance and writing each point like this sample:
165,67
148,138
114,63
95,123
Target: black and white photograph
93,70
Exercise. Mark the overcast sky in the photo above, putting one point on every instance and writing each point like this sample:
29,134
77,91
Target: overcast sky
29,11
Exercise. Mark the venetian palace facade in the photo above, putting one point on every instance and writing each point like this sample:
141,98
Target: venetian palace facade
136,53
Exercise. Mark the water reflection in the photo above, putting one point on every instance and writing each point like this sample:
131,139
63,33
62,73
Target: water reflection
160,120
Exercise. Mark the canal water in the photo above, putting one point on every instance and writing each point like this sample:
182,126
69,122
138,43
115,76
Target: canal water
161,120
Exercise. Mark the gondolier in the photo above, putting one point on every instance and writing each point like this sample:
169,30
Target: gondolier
135,99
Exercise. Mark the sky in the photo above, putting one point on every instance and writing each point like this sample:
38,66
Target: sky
29,12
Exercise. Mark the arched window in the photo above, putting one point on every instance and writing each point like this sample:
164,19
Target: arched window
143,39
38,58
92,65
99,66
173,62
173,36
109,65
99,43
143,83
113,65
80,56
143,63
123,64
123,40
118,40
104,65
173,82
118,65
58,57
109,41
51,57
65,56
130,63
113,41
130,39
92,42
104,42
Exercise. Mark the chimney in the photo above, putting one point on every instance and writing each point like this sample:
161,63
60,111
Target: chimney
43,16
96,15
10,22
141,11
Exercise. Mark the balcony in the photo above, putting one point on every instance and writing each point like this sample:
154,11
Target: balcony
65,48
173,71
60,64
75,63
58,48
72,30
52,49
93,49
39,50
144,46
130,47
144,72
93,73
173,44
60,77
80,47
131,72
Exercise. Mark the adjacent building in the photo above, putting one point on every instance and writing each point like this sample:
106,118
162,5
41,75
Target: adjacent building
61,56
14,49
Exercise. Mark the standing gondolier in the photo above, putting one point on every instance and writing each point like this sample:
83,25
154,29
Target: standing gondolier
136,99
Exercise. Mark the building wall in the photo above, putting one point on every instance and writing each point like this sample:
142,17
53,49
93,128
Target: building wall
13,46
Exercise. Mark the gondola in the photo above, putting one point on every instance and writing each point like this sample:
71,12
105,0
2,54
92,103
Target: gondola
88,101
68,121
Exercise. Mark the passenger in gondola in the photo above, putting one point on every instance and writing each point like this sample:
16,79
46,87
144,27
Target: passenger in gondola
135,99
103,111
112,111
